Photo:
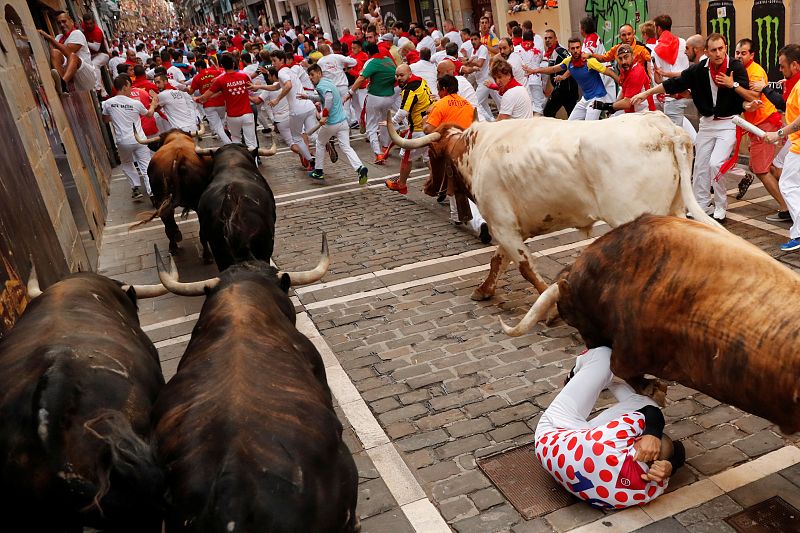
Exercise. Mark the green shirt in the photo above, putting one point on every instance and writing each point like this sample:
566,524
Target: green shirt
380,71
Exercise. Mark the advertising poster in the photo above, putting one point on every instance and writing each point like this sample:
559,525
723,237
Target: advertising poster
721,18
769,31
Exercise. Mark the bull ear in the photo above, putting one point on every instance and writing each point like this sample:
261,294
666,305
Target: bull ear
285,282
131,292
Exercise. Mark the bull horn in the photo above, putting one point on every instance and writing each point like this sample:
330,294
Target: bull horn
272,150
33,283
536,313
201,131
170,279
148,140
310,276
146,291
410,144
205,151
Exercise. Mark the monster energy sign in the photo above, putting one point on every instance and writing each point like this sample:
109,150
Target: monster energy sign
611,14
721,18
769,31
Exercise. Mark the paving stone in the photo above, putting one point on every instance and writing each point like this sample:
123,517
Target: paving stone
414,397
384,405
765,488
573,516
394,521
422,440
759,443
515,429
404,413
486,498
683,409
752,424
667,525
715,525
496,519
420,458
399,430
463,445
720,507
449,401
718,436
792,474
537,525
718,415
683,428
438,471
440,419
461,484
466,428
385,391
457,508
520,411
429,379
717,460
374,498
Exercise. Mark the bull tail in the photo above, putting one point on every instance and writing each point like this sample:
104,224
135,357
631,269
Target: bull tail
147,216
682,148
536,313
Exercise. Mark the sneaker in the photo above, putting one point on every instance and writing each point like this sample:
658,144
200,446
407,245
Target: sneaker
394,185
747,180
792,245
354,125
442,198
303,161
135,194
61,87
266,130
316,175
362,175
331,149
720,220
780,216
485,237
379,159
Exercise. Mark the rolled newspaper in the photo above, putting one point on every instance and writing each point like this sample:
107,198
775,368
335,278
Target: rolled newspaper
755,130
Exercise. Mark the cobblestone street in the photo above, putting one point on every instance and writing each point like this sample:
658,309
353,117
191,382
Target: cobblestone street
424,379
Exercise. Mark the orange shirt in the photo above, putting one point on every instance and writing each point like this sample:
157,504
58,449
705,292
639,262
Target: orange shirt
452,109
792,112
756,73
640,54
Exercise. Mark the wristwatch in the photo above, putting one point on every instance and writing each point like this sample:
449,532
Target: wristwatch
780,133
735,84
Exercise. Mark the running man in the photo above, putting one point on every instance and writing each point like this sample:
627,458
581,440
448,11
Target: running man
124,112
414,103
302,113
177,105
214,107
334,124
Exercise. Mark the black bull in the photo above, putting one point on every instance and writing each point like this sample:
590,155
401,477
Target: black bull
237,210
246,428
78,378
691,303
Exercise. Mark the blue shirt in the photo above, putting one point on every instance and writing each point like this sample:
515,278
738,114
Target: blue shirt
336,113
588,77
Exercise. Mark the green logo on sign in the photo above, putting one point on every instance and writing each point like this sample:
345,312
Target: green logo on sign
721,26
768,41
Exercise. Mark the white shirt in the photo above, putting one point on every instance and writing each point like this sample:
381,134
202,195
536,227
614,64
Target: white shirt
455,37
482,53
401,41
280,112
681,62
531,59
516,103
144,56
252,69
179,108
176,75
516,68
467,91
296,107
112,65
436,34
427,42
438,56
466,49
125,113
333,67
290,34
427,71
76,36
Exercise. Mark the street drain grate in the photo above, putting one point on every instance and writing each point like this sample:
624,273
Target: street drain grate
769,516
522,480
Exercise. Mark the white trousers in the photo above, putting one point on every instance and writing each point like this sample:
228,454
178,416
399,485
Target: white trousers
790,190
538,99
483,93
713,147
243,126
675,110
216,119
342,133
128,153
474,225
377,107
571,408
357,104
781,156
100,60
583,110
299,123
343,93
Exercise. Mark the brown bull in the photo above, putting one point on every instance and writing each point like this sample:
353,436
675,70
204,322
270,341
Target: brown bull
78,379
178,176
691,303
246,428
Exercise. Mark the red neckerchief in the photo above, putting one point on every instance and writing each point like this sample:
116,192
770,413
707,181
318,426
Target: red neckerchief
651,40
549,52
723,69
667,47
591,41
789,84
516,41
528,46
510,85
412,57
577,63
64,36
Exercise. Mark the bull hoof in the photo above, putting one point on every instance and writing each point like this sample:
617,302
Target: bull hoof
178,236
479,296
174,249
552,317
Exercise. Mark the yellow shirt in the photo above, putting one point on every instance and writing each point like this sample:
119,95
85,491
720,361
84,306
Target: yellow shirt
792,112
756,73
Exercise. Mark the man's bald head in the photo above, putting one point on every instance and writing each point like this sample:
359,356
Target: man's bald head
402,74
694,47
445,68
324,49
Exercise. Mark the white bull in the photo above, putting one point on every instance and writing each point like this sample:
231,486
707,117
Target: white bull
534,176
